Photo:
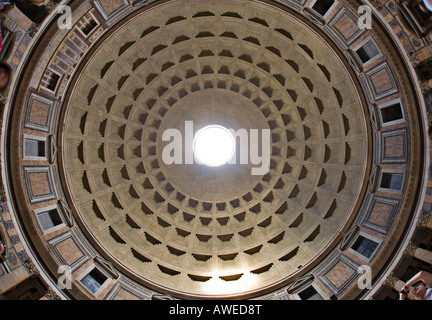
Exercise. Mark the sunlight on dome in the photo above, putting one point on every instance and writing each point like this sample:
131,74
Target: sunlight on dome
213,146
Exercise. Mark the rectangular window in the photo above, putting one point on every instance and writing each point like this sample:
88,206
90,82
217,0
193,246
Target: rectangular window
392,181
365,246
94,280
87,24
368,51
323,6
310,294
50,80
49,219
391,112
34,148
88,27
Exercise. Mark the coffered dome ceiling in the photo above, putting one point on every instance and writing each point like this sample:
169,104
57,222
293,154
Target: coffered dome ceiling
218,230
194,231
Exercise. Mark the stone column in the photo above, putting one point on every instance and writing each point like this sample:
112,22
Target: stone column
395,283
419,253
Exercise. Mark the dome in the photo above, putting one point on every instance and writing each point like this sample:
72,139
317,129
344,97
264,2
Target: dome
220,230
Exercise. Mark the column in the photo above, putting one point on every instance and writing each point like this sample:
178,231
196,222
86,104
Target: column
419,253
393,282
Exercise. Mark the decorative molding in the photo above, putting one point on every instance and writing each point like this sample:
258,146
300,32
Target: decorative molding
3,198
34,28
295,4
157,296
414,59
4,96
423,219
79,242
4,255
30,267
300,283
391,280
425,87
371,201
33,190
66,212
313,16
373,116
52,149
140,3
348,237
334,28
51,295
112,15
377,93
382,147
345,280
377,4
410,250
126,285
107,266
403,10
373,178
353,60
44,124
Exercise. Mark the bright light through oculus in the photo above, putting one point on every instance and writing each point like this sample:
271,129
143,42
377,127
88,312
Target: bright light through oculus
213,145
